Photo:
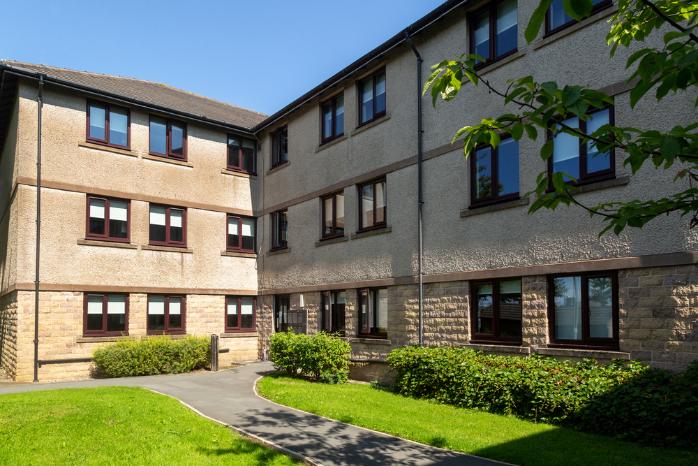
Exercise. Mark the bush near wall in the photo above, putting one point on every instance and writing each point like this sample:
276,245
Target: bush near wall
627,400
153,355
320,357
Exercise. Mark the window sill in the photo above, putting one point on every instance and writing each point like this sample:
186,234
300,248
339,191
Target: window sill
599,353
504,347
551,37
226,171
106,244
278,167
105,148
489,67
173,336
274,252
152,247
164,159
494,207
238,335
333,240
251,255
370,124
598,185
372,232
330,143
102,339
370,340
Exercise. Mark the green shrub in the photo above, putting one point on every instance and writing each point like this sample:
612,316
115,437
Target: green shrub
623,399
319,357
154,355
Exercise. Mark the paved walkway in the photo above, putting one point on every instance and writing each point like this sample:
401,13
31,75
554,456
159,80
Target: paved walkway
229,397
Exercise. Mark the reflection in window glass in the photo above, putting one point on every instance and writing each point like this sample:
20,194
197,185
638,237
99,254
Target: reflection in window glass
600,307
566,151
568,308
118,127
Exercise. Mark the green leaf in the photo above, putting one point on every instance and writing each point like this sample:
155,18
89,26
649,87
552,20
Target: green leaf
547,150
577,9
537,19
516,131
531,131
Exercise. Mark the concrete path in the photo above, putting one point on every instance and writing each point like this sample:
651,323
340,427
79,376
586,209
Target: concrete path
229,397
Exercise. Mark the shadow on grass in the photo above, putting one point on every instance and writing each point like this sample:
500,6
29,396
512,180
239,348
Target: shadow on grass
262,455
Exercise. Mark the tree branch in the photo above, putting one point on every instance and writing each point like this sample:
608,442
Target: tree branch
669,19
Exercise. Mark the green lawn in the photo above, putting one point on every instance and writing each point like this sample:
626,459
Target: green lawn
504,438
117,426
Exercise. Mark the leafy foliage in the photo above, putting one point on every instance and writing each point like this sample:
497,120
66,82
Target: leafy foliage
321,356
627,400
541,107
151,356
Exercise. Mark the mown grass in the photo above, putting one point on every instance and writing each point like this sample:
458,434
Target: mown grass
504,438
117,426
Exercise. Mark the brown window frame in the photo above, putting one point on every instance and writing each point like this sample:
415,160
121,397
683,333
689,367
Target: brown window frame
168,138
335,233
376,225
372,78
494,198
276,145
491,9
495,336
586,342
103,332
167,330
106,236
584,177
360,330
107,108
241,166
240,248
332,326
332,105
594,9
168,241
239,327
276,243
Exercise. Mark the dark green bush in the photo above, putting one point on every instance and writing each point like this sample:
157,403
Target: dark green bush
154,355
320,357
623,399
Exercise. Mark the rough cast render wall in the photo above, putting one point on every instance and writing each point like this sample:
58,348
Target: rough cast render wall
8,334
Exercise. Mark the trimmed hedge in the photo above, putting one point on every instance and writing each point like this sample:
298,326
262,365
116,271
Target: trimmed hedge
320,357
153,355
627,400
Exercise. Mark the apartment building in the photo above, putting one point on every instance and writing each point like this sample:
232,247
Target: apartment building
165,212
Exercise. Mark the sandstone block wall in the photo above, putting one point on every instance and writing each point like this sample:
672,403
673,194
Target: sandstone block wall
8,334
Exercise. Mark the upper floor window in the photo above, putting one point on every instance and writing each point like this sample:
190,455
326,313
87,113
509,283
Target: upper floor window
372,97
494,173
333,215
107,219
168,225
373,312
333,118
105,314
279,147
494,31
279,229
580,160
333,306
241,233
556,18
108,124
373,202
166,314
239,313
241,154
168,138
496,310
583,309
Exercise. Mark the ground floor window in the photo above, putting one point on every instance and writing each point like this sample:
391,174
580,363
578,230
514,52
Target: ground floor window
239,313
373,312
332,317
105,314
583,309
282,305
166,314
496,310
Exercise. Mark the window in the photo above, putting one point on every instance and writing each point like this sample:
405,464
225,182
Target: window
494,30
108,124
373,312
166,314
494,173
372,199
168,138
282,306
332,308
580,160
333,118
241,154
279,228
333,215
108,219
372,97
168,226
556,18
279,147
241,233
239,313
583,309
105,314
496,310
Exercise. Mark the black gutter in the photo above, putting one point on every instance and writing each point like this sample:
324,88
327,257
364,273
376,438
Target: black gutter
40,105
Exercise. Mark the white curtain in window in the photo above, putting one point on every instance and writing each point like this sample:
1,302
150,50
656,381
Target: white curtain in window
156,305
247,307
383,308
176,218
116,304
247,227
94,304
96,208
232,307
157,216
118,210
175,306
232,226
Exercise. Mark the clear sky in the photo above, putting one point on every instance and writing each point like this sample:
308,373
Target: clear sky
258,54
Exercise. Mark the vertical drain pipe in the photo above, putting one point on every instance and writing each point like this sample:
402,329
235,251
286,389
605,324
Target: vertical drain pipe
40,105
420,191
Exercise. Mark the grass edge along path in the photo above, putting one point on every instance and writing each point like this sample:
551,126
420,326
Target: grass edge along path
504,438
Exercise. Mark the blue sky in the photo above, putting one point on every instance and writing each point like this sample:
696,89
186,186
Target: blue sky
257,54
